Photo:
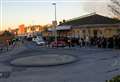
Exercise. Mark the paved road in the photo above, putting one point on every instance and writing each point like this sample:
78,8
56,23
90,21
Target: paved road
93,65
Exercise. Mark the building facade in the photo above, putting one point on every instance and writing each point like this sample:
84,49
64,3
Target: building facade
90,25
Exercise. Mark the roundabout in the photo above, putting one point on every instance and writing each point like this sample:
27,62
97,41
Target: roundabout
43,60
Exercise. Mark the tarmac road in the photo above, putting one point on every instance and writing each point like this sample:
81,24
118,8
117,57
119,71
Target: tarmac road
93,65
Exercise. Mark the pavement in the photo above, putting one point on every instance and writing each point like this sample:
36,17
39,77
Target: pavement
93,65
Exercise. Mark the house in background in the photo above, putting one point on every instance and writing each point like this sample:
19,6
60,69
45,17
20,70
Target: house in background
21,29
89,25
30,30
34,28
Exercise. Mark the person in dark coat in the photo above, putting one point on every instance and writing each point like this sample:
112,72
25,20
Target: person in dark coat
119,41
104,42
110,42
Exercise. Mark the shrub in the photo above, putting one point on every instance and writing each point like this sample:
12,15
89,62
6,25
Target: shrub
114,79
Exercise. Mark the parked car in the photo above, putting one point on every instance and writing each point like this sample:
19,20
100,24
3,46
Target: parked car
40,42
34,39
58,44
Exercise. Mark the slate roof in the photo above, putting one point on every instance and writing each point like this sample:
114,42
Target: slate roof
91,19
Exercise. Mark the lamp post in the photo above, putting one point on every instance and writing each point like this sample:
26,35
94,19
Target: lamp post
55,23
1,26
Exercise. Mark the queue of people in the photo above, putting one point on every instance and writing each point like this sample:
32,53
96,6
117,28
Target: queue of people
100,42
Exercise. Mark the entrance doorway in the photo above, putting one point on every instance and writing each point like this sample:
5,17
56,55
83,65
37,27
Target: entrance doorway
95,32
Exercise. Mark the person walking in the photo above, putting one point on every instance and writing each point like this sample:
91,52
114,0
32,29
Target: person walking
7,44
14,42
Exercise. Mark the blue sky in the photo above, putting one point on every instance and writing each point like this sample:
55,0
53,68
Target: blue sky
29,12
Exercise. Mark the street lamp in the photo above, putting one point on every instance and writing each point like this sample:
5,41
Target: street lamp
55,23
1,16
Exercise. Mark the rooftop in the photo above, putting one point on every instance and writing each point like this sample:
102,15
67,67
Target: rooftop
91,19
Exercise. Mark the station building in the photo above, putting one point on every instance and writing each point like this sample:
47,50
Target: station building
89,25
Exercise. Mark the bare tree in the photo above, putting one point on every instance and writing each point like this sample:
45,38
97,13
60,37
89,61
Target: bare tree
115,7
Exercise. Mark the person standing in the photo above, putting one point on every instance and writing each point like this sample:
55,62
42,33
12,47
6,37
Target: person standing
119,41
86,41
69,43
80,42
